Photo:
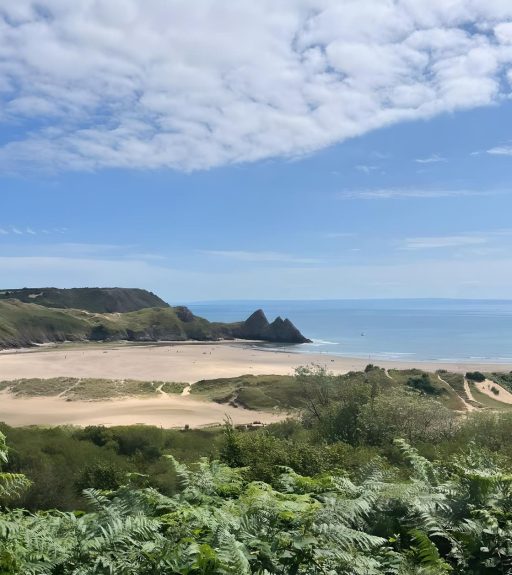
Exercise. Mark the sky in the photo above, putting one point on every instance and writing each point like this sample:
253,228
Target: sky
305,149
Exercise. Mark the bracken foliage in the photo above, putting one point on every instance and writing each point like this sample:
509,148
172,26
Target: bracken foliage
454,517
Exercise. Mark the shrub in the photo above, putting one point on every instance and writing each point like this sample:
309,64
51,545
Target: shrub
423,383
475,376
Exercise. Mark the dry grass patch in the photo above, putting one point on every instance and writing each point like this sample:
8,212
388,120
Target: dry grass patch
89,389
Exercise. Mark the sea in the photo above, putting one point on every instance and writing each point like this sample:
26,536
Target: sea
408,330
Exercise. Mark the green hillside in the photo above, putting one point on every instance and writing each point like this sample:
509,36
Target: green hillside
24,324
99,300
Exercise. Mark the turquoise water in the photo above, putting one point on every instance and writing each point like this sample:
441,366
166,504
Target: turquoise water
409,330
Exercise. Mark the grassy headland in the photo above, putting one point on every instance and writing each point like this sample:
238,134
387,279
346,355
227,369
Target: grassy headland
25,324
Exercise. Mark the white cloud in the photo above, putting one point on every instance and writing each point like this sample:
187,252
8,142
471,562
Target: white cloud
434,158
399,194
16,231
500,151
435,242
191,85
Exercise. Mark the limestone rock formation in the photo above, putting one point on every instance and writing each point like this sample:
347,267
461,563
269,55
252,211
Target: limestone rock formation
280,330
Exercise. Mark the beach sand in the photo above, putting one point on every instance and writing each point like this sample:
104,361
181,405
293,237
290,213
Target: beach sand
184,362
171,411
188,362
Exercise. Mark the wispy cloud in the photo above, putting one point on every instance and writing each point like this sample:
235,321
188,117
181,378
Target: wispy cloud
336,235
434,158
20,231
366,169
500,151
263,256
79,250
401,194
435,242
305,76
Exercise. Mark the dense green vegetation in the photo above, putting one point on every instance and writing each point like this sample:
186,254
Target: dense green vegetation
450,517
62,461
375,476
475,376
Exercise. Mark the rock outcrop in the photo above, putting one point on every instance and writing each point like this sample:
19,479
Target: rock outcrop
280,330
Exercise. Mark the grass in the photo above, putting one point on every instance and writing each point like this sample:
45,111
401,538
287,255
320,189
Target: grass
35,387
284,392
24,324
259,392
443,391
256,392
91,299
455,381
89,389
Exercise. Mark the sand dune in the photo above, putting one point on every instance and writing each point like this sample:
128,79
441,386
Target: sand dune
487,386
186,362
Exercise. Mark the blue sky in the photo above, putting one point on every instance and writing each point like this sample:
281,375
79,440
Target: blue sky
401,200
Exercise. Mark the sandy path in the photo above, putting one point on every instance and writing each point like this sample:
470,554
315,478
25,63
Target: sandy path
170,411
468,391
467,406
485,387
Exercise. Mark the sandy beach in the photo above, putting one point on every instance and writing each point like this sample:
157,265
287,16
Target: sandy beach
188,362
184,362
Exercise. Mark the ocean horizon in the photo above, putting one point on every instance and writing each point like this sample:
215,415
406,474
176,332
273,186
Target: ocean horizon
441,330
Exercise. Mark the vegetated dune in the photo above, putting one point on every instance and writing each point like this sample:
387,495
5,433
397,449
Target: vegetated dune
86,400
494,391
